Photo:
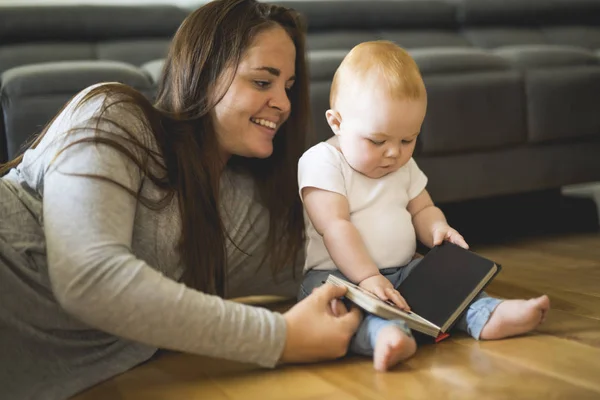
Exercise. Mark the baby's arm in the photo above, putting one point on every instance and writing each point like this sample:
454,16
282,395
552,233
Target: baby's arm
430,223
329,213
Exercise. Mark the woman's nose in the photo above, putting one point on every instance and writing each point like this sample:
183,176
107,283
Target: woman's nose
281,101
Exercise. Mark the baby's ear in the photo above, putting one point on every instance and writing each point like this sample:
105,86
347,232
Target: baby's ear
334,119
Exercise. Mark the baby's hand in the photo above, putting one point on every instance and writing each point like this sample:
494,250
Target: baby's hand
382,288
443,232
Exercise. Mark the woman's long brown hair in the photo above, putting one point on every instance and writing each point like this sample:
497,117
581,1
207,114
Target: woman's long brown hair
211,39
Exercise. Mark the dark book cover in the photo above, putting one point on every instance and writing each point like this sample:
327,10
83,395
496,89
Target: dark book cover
444,279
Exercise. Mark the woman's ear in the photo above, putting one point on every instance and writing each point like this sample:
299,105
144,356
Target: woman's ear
334,119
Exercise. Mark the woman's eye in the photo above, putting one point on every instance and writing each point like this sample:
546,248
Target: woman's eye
408,141
377,142
262,84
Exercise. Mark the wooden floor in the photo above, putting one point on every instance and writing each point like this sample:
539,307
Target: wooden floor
559,361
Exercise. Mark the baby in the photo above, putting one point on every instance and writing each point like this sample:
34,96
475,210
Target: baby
366,203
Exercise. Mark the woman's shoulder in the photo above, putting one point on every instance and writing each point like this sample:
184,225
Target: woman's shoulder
92,97
105,113
109,108
112,98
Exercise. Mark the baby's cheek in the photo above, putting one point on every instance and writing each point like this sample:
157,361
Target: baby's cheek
361,163
372,157
370,162
406,158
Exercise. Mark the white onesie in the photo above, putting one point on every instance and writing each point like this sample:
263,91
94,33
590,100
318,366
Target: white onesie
377,206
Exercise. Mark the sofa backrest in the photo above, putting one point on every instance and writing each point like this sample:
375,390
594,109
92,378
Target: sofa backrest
342,24
132,34
495,23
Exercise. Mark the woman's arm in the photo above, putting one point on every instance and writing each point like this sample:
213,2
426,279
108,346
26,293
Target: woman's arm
89,224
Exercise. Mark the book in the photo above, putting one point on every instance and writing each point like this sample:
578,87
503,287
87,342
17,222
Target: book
438,290
384,309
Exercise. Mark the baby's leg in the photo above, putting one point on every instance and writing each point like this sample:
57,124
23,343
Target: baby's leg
515,317
491,318
390,342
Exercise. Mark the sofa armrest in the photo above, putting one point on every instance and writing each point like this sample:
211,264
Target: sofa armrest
31,95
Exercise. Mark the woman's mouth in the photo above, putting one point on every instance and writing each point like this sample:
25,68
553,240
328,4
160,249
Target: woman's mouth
264,122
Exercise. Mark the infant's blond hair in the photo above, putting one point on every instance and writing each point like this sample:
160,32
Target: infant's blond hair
382,63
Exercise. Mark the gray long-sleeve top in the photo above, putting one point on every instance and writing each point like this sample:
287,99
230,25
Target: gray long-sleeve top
112,263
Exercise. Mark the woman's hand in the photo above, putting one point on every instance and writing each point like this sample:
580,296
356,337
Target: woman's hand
314,332
381,287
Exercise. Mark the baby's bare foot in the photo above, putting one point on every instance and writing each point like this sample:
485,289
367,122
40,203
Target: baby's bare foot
391,347
514,317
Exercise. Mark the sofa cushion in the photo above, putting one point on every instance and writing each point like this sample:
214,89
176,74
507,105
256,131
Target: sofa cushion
563,103
473,111
492,37
153,69
375,14
494,23
410,39
319,103
324,63
457,60
562,87
31,95
344,39
19,24
528,13
15,55
344,24
532,56
515,169
136,52
577,36
470,82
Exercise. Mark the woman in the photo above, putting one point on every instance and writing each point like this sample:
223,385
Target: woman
118,201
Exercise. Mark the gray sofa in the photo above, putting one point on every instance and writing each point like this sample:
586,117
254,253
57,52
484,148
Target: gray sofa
514,87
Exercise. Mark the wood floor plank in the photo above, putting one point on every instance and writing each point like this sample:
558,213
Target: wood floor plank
169,376
569,361
285,383
535,267
581,246
139,384
565,325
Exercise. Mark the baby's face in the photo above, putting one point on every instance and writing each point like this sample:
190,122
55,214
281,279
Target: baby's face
377,135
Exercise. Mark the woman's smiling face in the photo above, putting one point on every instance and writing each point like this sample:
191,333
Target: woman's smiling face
256,103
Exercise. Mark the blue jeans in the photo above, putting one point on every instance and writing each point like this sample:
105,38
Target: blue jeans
472,321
